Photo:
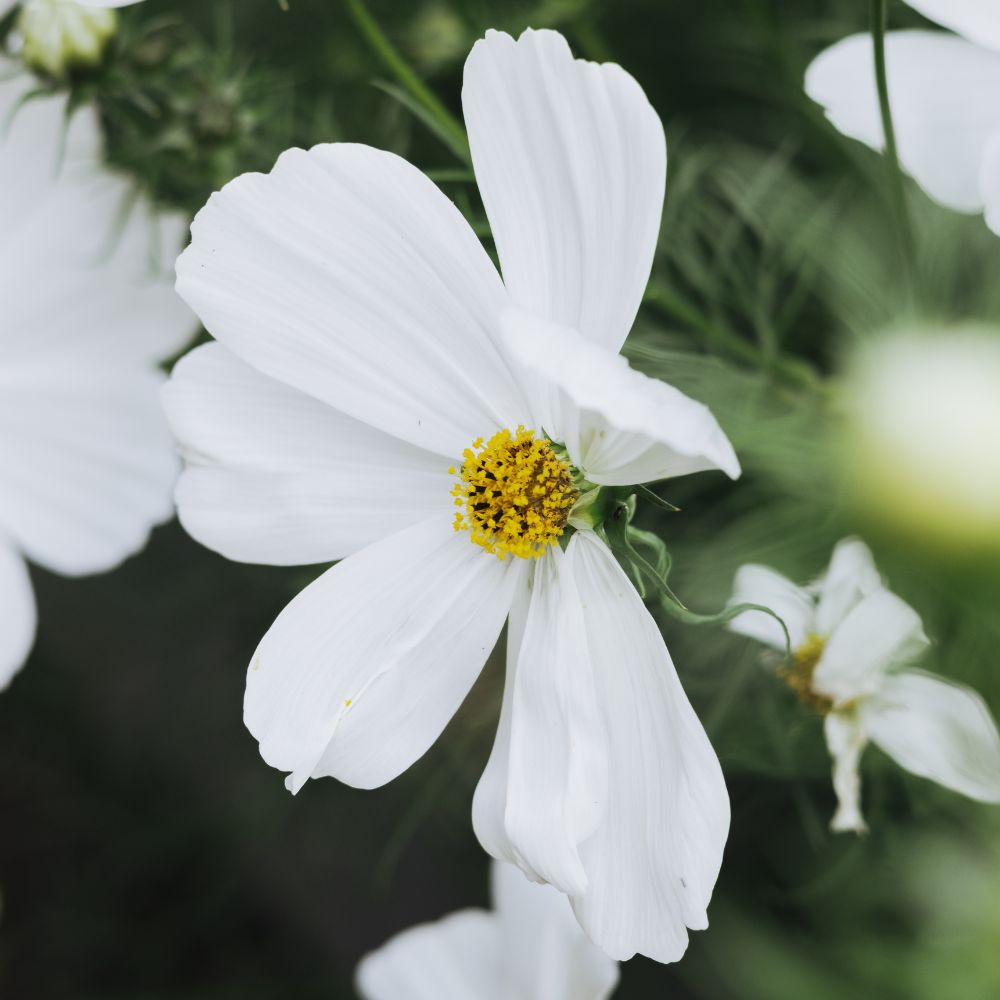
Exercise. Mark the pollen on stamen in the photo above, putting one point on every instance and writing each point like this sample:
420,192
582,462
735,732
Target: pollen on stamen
514,494
798,675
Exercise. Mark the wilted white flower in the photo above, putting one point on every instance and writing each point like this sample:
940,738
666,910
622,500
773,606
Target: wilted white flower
529,948
943,93
372,370
853,642
59,34
86,455
920,408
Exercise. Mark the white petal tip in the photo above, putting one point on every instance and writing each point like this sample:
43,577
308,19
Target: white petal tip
845,823
295,782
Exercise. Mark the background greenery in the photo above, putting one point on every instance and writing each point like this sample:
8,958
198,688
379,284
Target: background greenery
145,849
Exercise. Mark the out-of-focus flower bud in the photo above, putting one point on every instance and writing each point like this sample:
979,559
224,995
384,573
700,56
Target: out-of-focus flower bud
923,448
61,34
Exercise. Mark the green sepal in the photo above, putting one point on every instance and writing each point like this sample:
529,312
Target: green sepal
622,536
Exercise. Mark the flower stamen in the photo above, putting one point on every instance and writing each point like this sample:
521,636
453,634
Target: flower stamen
798,675
515,494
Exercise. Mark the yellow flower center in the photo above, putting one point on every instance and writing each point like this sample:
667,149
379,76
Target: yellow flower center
799,674
514,493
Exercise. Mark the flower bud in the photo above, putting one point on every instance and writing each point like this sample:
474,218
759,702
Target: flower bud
61,34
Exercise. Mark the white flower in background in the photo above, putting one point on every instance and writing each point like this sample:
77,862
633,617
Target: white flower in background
59,34
369,400
920,408
943,91
86,457
529,948
853,642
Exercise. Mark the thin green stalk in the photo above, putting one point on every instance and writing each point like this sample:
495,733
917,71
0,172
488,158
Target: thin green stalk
879,19
620,534
448,126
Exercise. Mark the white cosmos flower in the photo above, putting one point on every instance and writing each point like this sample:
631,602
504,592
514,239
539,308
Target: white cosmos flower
58,34
86,457
943,89
853,642
529,948
366,342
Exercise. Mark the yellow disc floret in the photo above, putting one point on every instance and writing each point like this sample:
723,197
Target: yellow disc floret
799,674
514,493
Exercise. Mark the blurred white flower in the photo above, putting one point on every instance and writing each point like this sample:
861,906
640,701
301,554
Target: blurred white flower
851,639
923,411
943,91
529,948
59,34
367,343
86,463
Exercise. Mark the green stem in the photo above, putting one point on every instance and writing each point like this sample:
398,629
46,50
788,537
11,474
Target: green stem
450,127
879,19
618,530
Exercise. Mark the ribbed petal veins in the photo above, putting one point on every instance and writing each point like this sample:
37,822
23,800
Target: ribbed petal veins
619,426
276,476
360,673
657,838
653,861
347,274
556,754
571,163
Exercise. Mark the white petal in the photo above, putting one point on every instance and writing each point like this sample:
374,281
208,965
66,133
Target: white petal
489,803
976,20
81,272
938,730
846,740
553,737
989,184
850,577
761,585
347,274
459,956
87,464
38,146
620,426
571,163
943,93
17,612
275,476
547,954
361,672
653,862
880,632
